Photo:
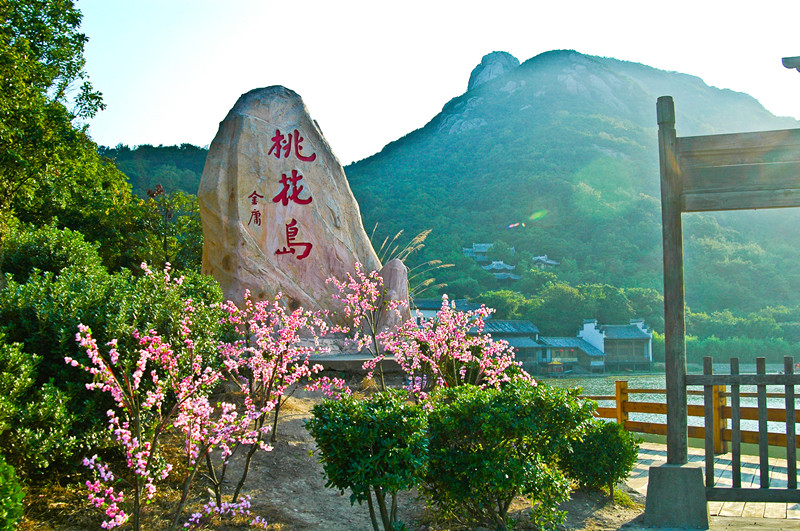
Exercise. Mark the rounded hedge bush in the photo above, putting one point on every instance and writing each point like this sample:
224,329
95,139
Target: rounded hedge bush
605,455
11,496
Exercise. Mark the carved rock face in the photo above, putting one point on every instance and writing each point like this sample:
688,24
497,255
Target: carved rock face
277,211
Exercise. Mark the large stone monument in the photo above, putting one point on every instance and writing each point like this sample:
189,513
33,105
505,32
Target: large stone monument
277,211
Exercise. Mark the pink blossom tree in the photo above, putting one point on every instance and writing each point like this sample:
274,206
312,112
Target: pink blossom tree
450,350
366,307
268,361
156,388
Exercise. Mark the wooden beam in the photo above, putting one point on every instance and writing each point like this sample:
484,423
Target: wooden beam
751,413
739,148
715,201
743,379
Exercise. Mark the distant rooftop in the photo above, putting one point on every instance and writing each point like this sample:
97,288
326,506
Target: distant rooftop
629,331
517,327
571,342
499,265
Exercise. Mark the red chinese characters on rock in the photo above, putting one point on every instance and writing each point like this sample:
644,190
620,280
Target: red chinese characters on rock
291,243
291,190
255,214
284,144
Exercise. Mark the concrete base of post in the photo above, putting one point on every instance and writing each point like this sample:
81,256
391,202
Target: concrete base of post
676,497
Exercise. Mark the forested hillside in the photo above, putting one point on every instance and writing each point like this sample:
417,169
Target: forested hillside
175,168
558,157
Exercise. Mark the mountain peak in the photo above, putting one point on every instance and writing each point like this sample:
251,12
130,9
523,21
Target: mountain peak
492,65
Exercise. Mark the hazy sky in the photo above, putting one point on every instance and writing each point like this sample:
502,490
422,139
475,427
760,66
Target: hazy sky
371,71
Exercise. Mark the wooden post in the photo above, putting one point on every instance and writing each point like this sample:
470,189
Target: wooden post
622,401
763,440
736,436
674,317
791,440
708,422
720,445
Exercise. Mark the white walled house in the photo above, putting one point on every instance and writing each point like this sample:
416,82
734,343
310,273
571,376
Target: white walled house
624,346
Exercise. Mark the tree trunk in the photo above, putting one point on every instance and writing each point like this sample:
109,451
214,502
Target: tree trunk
372,512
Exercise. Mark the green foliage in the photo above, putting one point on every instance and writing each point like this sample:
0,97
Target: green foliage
169,230
11,496
65,286
488,446
372,445
176,168
604,456
48,249
506,303
34,420
87,194
41,60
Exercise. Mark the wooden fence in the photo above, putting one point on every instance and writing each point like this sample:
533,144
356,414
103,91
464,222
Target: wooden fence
716,412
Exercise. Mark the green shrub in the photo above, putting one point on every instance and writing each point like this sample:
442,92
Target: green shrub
11,495
47,249
488,446
34,421
605,455
61,285
371,446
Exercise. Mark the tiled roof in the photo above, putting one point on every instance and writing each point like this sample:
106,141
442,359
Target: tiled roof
499,265
506,276
522,342
545,260
479,247
629,331
500,326
571,342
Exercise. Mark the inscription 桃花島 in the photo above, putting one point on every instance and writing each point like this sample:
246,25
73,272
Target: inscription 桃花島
283,146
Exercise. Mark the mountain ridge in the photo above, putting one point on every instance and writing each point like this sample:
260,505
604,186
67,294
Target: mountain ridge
568,135
565,143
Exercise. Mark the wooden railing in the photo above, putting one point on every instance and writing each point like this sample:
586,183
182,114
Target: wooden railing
625,404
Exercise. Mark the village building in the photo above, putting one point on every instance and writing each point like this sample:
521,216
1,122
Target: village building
501,270
478,251
522,335
625,346
543,262
566,353
595,348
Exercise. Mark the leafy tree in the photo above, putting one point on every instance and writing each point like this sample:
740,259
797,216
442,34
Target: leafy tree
506,303
609,304
41,61
560,311
647,304
373,447
170,229
534,280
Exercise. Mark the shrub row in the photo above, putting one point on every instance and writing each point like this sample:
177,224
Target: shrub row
470,451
